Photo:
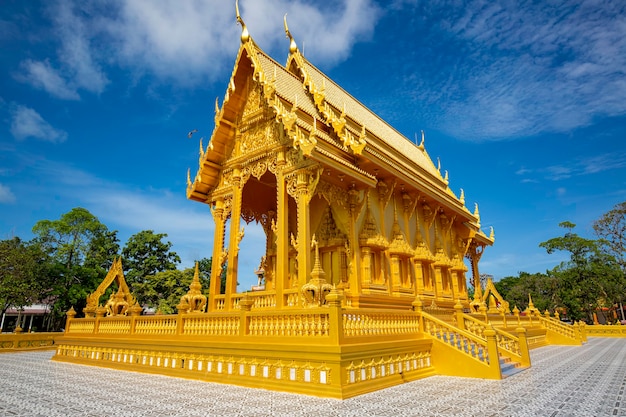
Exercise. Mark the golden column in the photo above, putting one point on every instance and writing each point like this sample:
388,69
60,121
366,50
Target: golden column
281,230
235,236
303,195
354,257
219,217
474,253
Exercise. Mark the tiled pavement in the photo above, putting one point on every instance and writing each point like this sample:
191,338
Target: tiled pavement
563,381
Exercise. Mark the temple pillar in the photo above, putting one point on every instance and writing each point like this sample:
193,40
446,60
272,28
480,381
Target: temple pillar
354,257
235,237
474,253
454,278
396,279
219,217
304,227
282,234
438,282
418,270
366,265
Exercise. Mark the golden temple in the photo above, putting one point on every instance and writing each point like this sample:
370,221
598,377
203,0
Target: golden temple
363,282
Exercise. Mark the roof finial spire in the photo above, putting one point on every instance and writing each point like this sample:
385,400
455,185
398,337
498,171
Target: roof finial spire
292,43
245,35
421,145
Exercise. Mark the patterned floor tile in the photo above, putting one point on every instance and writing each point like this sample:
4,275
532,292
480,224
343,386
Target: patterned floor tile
587,380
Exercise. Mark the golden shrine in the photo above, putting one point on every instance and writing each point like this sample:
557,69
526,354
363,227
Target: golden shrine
363,282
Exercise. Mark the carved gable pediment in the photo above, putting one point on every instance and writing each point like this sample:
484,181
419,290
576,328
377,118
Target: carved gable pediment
328,233
120,301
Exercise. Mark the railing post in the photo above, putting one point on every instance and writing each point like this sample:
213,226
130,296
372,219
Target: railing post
458,312
100,311
483,311
245,306
180,323
523,346
335,316
492,351
417,307
71,313
582,331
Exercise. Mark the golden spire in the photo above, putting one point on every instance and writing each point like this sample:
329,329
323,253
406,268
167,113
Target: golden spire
462,197
292,43
421,145
492,234
245,35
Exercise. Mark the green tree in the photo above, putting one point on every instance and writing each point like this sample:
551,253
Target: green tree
145,254
80,247
584,283
163,290
611,230
205,265
21,265
541,287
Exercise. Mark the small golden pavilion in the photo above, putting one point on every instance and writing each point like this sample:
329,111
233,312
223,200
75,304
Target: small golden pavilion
363,282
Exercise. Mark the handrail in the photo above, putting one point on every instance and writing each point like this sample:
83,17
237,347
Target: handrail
558,327
464,341
508,344
379,323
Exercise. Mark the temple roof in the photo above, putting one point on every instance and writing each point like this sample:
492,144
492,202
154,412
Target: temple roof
354,137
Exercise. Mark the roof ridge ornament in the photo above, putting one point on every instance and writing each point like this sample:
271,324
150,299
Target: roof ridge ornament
293,47
245,35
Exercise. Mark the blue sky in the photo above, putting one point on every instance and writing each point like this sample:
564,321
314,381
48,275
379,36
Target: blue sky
523,102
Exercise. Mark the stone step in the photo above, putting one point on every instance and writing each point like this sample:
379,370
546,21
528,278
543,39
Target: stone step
509,368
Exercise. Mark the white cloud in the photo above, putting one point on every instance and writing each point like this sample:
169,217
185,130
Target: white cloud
325,35
77,67
588,165
27,123
528,67
41,75
187,42
6,196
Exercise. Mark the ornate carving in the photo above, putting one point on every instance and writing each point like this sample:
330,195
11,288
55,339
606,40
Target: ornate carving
240,236
369,235
193,301
351,142
354,204
116,305
328,231
314,292
119,301
333,194
385,191
399,245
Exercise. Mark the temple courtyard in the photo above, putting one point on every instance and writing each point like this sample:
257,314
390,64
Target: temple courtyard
563,381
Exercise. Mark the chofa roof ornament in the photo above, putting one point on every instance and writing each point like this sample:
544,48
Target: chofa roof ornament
245,35
292,43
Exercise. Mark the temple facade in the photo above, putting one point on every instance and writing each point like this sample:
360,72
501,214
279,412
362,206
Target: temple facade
319,171
363,281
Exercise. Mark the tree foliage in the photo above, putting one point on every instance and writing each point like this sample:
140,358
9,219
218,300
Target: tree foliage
21,266
587,281
80,249
145,254
516,290
611,230
163,290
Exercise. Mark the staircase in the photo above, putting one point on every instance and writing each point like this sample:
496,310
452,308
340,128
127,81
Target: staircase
469,351
509,368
